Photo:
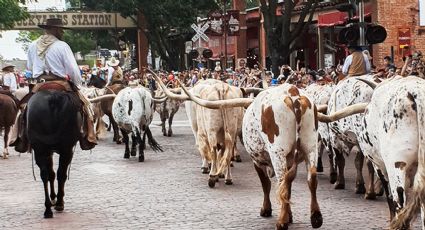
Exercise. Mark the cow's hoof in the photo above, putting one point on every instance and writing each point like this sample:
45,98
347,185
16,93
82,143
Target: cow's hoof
221,175
165,134
48,214
381,192
205,170
133,153
59,207
332,178
360,189
126,155
319,168
316,219
282,226
211,182
266,212
5,156
228,182
141,158
370,196
291,218
238,158
118,141
170,133
231,164
339,186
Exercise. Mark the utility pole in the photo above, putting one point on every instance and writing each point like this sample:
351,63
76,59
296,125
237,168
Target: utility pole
362,23
224,16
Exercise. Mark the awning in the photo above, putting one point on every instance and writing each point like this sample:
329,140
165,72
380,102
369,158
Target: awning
338,18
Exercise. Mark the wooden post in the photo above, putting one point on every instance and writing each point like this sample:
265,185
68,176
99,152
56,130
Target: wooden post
142,42
241,44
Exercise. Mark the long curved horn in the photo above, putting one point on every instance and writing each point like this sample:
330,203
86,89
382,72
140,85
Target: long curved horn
253,90
159,100
369,83
102,98
166,90
347,111
322,108
228,103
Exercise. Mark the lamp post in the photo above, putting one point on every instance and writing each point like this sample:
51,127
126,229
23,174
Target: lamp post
225,33
361,24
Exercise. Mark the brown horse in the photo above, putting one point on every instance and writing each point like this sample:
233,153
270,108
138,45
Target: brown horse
106,106
8,112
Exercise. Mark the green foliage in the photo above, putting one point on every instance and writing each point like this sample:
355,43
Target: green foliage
251,3
10,13
26,37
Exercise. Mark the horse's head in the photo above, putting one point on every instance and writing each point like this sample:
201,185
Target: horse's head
96,81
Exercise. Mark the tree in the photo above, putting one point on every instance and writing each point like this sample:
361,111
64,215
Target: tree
281,34
168,22
10,13
26,37
251,3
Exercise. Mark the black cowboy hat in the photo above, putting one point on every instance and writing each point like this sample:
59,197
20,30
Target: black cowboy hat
53,23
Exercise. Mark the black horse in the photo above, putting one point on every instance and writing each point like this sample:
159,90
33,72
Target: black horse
53,121
96,81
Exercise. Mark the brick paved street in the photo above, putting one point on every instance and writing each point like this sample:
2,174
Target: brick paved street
168,191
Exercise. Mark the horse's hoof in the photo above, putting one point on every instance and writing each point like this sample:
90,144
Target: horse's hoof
339,186
141,158
332,178
228,182
266,212
221,175
59,208
370,196
204,170
211,182
48,214
238,158
282,226
316,219
360,189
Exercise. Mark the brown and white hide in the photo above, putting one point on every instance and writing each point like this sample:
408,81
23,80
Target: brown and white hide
166,110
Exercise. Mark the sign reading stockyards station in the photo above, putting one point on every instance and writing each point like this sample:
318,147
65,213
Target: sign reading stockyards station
78,20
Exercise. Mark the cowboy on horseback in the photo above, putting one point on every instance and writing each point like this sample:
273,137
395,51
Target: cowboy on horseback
115,74
52,61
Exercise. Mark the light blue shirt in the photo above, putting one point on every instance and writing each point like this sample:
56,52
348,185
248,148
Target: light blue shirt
349,60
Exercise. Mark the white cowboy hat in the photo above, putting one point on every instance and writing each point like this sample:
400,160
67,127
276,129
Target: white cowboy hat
113,62
5,66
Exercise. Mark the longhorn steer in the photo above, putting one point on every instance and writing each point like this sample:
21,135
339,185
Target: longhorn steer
320,95
393,138
343,132
133,111
280,131
166,111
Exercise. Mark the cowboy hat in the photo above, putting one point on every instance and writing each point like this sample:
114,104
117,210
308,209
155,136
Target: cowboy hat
53,23
113,62
7,66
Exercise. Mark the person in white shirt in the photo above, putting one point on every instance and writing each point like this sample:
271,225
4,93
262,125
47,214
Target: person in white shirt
50,59
357,63
9,78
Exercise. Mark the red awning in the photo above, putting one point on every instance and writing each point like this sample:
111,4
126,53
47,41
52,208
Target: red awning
338,18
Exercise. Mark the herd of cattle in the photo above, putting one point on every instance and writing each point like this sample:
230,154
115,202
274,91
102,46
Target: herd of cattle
380,120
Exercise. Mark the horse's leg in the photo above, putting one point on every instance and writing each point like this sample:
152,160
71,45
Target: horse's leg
41,159
6,142
266,209
52,176
126,140
142,146
134,140
170,122
65,159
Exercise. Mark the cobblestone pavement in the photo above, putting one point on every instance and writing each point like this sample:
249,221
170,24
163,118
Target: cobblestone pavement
168,191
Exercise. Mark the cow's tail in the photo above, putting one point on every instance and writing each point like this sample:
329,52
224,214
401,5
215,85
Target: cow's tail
228,140
152,142
418,193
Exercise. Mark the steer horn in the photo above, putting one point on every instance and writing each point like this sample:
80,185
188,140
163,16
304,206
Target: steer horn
220,104
322,108
159,100
347,111
166,90
369,83
102,98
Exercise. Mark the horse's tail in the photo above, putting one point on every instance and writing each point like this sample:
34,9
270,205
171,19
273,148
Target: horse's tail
418,193
152,142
